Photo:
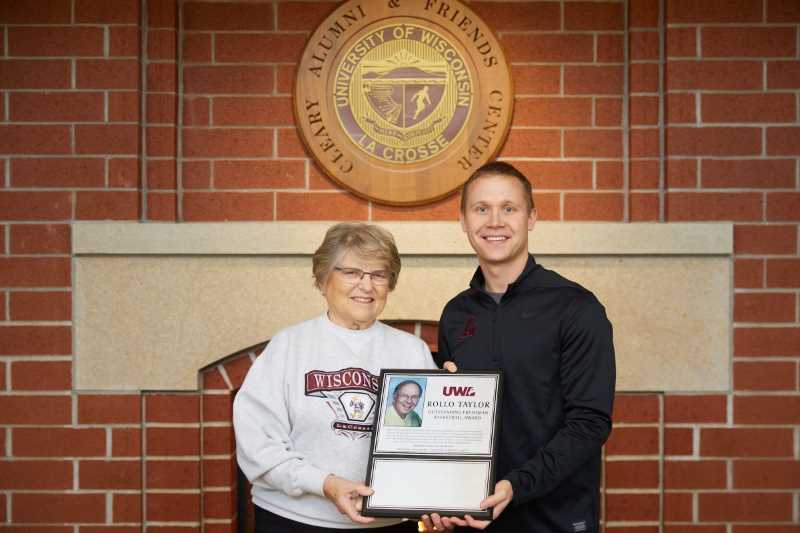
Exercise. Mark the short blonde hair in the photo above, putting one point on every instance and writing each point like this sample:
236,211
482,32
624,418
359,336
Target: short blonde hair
503,169
367,240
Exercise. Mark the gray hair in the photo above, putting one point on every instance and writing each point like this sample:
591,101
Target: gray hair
403,384
367,240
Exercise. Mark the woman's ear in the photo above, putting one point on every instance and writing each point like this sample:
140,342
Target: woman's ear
323,285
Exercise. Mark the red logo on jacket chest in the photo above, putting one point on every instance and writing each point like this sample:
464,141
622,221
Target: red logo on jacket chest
470,327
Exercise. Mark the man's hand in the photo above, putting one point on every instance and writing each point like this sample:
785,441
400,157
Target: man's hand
434,522
450,366
503,493
347,496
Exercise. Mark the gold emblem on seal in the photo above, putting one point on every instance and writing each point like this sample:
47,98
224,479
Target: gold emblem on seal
401,101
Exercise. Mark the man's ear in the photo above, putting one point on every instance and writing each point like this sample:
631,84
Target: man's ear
531,219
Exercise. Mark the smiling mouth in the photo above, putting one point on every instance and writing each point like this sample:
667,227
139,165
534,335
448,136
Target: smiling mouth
362,299
495,238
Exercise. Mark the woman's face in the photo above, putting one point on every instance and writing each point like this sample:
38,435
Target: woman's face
355,303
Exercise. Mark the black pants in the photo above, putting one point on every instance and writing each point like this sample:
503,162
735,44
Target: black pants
267,522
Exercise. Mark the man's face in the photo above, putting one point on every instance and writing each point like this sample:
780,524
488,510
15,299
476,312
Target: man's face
406,398
496,219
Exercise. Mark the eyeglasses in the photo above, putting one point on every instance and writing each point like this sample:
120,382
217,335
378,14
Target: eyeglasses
407,398
354,275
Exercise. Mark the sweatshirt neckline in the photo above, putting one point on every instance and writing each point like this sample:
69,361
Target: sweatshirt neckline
354,333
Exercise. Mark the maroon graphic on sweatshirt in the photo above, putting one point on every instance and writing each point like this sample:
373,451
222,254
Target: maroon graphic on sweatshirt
350,394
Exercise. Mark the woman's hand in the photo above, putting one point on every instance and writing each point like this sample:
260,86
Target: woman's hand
347,496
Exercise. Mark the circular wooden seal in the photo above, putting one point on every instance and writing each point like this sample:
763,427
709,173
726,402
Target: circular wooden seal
401,100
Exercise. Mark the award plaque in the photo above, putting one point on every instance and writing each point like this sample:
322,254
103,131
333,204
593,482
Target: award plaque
434,446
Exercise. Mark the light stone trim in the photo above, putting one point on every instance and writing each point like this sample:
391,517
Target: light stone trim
153,303
413,238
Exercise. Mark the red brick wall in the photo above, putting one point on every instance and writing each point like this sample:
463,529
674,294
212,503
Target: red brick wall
74,75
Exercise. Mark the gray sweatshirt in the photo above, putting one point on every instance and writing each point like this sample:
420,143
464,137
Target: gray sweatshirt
306,408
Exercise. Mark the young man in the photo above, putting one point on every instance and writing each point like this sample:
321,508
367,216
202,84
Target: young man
551,338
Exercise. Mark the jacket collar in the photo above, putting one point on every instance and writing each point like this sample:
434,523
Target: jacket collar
528,274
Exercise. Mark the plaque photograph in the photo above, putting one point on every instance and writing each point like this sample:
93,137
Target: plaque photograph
434,446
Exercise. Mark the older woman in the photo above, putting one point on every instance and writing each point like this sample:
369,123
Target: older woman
304,414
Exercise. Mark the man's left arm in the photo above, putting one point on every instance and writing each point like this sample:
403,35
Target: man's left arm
588,376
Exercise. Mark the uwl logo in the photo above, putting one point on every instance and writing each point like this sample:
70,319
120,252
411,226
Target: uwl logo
458,391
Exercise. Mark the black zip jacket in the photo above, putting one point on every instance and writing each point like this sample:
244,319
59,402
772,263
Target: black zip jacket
551,338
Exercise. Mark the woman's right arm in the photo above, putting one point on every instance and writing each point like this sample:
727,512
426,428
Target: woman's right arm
261,420
264,449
